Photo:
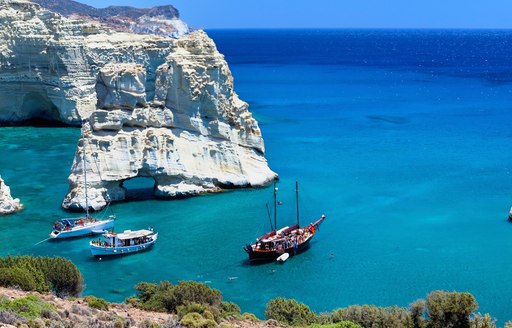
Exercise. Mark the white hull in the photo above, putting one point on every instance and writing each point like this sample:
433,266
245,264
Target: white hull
120,250
86,229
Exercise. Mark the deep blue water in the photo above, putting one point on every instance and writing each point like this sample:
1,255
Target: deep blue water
401,137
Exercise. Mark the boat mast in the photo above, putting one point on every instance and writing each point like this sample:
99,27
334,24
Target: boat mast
85,173
275,206
297,200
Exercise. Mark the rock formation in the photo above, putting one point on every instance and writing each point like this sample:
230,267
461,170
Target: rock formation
45,72
49,64
158,107
8,205
187,129
160,20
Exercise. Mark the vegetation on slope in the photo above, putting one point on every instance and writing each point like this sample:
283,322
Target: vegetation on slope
41,274
193,304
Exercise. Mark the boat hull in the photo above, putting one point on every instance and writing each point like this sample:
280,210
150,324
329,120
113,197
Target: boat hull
270,256
94,228
112,251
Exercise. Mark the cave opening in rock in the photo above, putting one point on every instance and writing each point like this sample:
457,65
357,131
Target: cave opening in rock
139,188
40,111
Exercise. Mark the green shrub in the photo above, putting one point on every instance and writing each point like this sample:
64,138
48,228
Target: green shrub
41,274
195,320
482,321
29,306
417,310
64,277
96,303
249,317
187,292
146,290
450,309
151,296
229,309
341,324
17,277
166,297
373,316
290,312
183,310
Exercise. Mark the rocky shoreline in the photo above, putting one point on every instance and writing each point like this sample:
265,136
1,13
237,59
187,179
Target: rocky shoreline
77,312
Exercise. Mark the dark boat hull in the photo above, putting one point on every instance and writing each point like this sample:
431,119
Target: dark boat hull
270,256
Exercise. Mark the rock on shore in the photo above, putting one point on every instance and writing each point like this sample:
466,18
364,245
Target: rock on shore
8,204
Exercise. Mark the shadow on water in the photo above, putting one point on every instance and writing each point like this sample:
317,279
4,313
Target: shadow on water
108,258
388,119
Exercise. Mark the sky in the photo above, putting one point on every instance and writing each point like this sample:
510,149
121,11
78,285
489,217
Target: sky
211,14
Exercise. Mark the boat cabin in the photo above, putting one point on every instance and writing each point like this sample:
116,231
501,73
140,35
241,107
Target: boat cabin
126,238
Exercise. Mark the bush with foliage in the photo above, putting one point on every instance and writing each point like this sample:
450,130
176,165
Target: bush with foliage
195,320
290,312
228,309
41,274
251,317
341,324
450,309
165,297
30,306
96,303
482,321
19,278
374,316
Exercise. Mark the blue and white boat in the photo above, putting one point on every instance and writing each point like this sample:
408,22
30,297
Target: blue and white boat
123,243
82,226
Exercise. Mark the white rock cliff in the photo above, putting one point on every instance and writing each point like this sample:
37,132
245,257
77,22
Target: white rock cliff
8,204
157,107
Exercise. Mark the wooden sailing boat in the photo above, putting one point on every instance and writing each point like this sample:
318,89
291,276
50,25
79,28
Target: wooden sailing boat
81,226
291,240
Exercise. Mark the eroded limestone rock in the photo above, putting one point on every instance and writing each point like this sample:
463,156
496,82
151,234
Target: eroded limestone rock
157,107
192,134
8,204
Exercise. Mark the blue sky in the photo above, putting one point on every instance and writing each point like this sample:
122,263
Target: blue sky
335,13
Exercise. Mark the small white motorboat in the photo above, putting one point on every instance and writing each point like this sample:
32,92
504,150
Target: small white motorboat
123,243
283,258
76,227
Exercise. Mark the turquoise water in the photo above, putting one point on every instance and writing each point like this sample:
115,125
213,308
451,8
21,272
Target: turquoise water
403,143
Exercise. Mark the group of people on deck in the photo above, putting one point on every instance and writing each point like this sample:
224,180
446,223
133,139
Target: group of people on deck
284,241
67,224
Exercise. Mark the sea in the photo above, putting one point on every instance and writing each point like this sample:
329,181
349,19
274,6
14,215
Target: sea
402,138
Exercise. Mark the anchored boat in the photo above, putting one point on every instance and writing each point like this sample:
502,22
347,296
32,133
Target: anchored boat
291,240
123,243
82,226
76,227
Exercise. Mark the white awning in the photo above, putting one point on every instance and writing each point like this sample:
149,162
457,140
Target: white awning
128,234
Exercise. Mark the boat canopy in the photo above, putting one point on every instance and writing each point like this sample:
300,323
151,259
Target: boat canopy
70,220
128,234
67,221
